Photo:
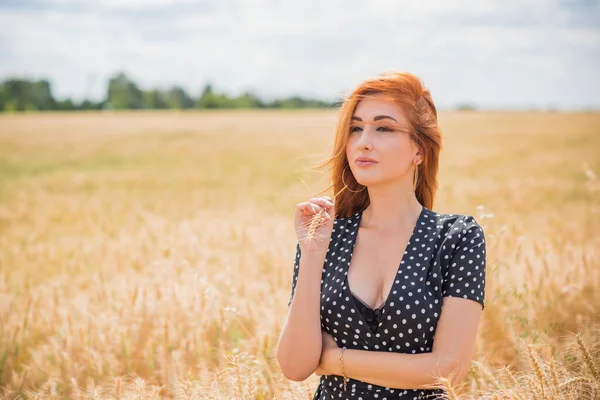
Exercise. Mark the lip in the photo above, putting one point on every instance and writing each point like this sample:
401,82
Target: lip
365,163
365,159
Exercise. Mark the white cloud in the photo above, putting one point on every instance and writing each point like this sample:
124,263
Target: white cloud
493,53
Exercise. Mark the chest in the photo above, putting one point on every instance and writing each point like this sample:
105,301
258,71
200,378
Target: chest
374,266
411,311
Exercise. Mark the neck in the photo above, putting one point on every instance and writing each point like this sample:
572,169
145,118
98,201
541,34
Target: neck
392,207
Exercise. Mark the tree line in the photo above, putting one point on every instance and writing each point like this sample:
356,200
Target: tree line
123,93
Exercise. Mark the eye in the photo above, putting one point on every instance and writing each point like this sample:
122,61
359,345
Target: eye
354,128
385,128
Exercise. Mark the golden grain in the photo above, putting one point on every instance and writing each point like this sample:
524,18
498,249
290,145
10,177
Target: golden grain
149,255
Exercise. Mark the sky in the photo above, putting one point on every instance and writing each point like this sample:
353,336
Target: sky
491,54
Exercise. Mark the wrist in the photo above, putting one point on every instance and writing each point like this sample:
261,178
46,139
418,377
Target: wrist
313,252
332,360
343,372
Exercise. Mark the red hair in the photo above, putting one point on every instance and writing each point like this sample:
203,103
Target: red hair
408,91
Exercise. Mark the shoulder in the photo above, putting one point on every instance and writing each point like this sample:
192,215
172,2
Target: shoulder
462,257
445,219
464,238
465,226
456,230
450,225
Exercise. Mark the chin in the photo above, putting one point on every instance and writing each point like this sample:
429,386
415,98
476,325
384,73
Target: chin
374,181
370,182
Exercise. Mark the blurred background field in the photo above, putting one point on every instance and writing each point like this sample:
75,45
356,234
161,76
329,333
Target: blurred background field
150,253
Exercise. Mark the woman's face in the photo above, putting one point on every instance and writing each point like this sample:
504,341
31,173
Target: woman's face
380,130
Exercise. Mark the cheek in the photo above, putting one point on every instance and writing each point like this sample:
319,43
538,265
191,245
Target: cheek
351,142
397,150
397,157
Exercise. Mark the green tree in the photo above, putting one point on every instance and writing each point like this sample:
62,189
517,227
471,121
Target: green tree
41,95
66,104
11,106
90,105
298,102
247,100
465,107
178,98
123,93
208,99
155,99
26,95
3,98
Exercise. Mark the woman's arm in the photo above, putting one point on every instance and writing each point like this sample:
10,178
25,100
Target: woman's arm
452,351
300,343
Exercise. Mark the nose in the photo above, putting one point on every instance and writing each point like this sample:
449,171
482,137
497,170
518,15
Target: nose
366,138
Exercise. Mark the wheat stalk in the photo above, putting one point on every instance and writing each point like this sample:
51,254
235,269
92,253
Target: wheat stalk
320,218
571,381
316,222
537,367
587,357
448,387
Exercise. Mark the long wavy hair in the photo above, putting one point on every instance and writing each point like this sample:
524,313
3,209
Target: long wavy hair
408,91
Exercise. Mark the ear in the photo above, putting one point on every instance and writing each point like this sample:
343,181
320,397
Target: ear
419,155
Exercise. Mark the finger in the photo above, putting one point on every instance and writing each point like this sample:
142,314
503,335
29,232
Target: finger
323,202
309,208
323,198
316,208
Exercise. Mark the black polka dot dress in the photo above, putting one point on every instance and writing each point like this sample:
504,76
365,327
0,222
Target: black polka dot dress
445,256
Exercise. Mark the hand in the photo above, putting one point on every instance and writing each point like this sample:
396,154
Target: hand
329,355
313,223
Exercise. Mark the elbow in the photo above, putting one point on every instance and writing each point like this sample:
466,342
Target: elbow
457,373
294,372
296,375
451,370
291,370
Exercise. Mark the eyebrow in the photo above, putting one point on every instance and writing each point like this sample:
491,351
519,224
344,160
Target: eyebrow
377,118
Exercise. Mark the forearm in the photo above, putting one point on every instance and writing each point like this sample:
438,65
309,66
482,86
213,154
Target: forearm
300,343
393,370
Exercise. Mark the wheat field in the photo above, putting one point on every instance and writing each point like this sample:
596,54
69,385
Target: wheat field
149,254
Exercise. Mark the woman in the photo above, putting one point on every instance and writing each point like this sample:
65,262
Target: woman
387,294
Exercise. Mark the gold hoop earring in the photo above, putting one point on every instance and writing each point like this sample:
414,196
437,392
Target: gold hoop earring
416,178
346,186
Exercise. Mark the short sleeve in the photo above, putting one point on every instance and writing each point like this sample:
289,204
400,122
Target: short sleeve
464,271
295,273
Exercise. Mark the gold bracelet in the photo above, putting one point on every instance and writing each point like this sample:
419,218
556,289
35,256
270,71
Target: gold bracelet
344,377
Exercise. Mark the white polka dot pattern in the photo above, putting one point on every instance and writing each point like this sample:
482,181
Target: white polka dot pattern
445,256
464,272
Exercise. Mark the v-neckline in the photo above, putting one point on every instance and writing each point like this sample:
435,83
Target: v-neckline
402,258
